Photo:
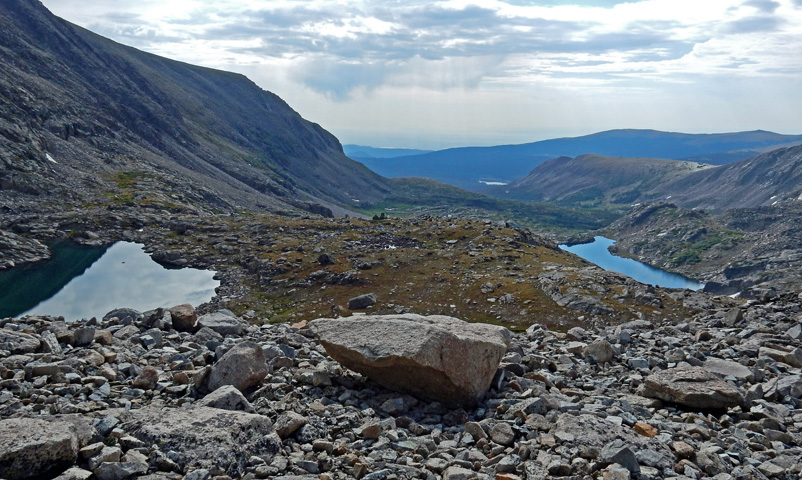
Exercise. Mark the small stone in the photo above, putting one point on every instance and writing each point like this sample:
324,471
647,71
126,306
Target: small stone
601,350
371,431
243,367
288,423
502,434
185,319
619,452
226,397
645,429
362,302
84,336
147,378
682,449
119,470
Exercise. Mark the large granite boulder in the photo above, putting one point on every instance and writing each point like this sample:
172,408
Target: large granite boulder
243,367
691,386
223,322
33,448
204,437
436,357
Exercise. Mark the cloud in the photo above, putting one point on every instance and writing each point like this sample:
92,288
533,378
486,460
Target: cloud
754,24
765,6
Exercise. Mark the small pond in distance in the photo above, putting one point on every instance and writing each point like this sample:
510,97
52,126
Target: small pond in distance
84,282
596,252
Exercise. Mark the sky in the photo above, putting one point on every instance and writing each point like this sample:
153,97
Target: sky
434,75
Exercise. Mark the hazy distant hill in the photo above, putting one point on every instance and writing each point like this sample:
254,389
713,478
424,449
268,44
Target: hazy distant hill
360,151
767,179
467,167
82,116
596,179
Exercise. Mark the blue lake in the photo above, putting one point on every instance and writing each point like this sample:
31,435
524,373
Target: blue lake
596,252
80,282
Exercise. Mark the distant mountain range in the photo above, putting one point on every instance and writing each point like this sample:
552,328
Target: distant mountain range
81,117
357,152
473,167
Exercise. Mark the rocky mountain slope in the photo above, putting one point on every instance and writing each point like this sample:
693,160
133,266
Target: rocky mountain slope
738,250
596,179
467,167
81,116
768,179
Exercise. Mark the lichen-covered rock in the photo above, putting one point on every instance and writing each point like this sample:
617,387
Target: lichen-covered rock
204,437
437,357
691,386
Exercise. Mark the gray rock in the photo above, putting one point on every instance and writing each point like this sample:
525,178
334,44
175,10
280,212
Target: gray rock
288,423
185,319
601,350
691,386
31,447
362,302
438,358
781,353
75,473
790,385
226,397
727,368
18,342
119,470
223,322
83,337
502,434
205,437
126,316
147,378
619,452
243,367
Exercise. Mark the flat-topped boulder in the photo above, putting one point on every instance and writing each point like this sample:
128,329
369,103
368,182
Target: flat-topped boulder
691,386
435,357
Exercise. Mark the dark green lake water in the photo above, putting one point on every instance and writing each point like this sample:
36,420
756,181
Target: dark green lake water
597,253
84,282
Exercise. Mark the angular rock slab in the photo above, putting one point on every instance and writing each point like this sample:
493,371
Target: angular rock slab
204,437
32,447
691,386
243,367
437,357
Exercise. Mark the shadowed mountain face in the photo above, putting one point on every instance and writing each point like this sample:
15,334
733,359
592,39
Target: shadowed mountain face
596,179
468,167
81,115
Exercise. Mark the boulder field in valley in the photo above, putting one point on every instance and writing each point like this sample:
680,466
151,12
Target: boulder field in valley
167,394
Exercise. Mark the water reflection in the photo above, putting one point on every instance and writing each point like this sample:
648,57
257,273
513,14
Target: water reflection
124,276
596,252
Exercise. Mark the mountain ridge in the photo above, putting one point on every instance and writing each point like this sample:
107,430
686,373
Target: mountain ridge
98,109
465,167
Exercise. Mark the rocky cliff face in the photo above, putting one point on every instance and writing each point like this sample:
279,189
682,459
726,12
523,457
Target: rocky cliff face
82,118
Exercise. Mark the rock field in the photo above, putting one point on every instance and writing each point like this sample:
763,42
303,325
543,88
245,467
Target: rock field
165,394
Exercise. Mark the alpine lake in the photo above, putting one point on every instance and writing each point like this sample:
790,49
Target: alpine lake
83,282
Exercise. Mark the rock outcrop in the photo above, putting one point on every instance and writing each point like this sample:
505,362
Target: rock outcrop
437,358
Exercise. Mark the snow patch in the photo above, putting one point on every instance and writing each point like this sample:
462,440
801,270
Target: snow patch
493,183
47,156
